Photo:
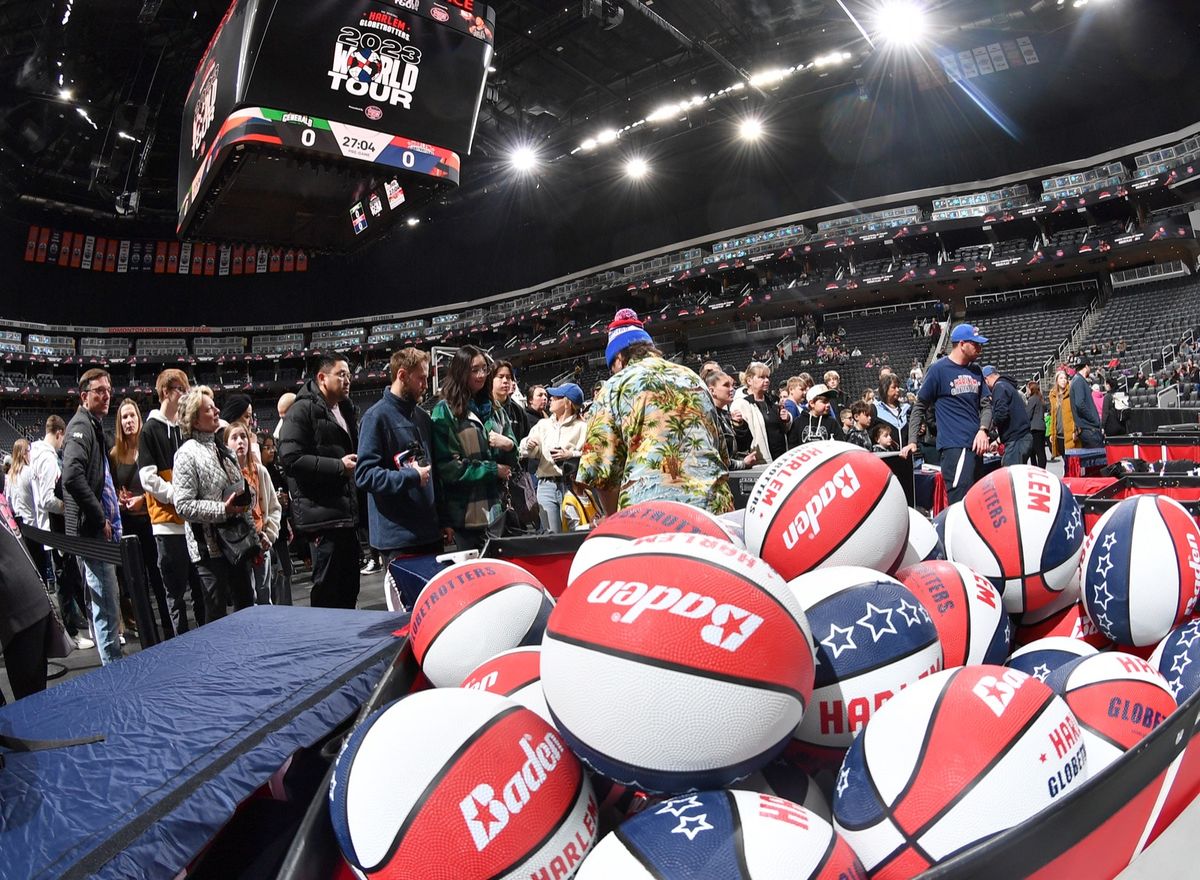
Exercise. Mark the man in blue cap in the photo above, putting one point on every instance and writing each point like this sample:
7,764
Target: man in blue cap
1009,416
953,390
555,444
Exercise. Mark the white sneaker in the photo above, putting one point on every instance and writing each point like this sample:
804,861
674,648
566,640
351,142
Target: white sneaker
83,643
121,639
370,568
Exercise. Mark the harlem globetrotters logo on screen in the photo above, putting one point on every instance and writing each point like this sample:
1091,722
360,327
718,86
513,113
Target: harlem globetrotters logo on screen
206,107
374,61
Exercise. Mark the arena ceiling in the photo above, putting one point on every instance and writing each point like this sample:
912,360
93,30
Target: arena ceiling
91,90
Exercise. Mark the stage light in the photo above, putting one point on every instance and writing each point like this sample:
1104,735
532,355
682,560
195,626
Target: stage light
65,94
751,129
767,77
523,159
412,221
589,144
637,168
901,23
607,136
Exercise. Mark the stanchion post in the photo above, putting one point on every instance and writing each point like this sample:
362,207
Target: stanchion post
139,593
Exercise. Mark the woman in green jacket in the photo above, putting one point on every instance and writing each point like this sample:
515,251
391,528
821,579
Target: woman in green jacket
470,449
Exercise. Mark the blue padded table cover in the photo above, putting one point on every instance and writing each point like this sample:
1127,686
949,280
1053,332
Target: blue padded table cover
193,726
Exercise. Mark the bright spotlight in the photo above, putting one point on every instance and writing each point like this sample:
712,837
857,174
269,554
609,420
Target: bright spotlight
65,94
637,168
412,221
901,22
607,136
523,159
751,129
588,144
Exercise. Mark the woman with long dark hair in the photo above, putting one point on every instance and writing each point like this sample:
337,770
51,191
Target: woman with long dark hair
1035,408
466,447
135,519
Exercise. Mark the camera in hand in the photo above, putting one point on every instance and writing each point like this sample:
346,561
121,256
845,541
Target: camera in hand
413,456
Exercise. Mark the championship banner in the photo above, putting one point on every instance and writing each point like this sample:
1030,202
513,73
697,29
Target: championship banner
95,253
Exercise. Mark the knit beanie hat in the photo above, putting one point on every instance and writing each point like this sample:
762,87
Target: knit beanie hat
235,407
626,329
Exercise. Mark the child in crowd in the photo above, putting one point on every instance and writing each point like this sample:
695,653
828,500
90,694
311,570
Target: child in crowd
883,438
857,432
846,420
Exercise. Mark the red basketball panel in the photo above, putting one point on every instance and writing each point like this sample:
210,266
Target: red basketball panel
908,864
453,591
967,714
815,517
687,612
991,508
484,816
1182,528
1071,622
657,518
1108,708
842,863
507,673
939,587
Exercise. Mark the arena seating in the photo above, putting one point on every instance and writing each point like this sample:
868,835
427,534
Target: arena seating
1066,239
1021,337
1010,248
1149,318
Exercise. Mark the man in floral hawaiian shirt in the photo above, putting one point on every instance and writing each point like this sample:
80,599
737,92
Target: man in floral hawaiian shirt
652,432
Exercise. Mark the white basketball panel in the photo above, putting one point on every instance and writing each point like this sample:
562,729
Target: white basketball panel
493,624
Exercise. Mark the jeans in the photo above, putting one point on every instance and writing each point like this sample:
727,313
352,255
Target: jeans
177,572
222,581
550,498
101,579
1091,438
958,470
335,565
260,572
1017,451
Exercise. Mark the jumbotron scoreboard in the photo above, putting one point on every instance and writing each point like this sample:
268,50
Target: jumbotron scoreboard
319,123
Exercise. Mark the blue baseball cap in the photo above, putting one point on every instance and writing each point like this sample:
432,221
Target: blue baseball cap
989,370
967,333
570,391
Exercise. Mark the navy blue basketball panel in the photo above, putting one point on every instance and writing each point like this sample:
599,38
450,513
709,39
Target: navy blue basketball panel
787,781
998,647
1057,679
690,836
1041,664
537,629
1066,535
341,778
855,801
1106,581
865,627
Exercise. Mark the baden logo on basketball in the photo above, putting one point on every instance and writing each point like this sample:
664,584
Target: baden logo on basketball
997,693
728,626
486,815
844,483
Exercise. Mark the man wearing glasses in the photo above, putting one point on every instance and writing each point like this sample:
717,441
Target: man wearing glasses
157,445
90,503
317,448
953,390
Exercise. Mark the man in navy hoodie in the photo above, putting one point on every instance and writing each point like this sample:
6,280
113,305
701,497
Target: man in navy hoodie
1009,416
395,448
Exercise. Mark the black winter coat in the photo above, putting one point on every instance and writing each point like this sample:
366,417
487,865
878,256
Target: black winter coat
311,448
84,460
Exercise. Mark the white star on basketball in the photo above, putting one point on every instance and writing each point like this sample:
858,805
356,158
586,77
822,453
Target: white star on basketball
1191,631
679,806
843,780
1070,530
1176,685
1105,625
1109,540
1041,672
1180,661
875,614
1102,590
1104,564
840,638
911,619
692,825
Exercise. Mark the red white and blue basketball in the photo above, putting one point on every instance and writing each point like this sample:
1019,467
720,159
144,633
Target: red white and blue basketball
1177,657
723,834
954,759
939,522
1066,619
363,64
455,784
472,611
1140,572
641,520
1118,699
680,662
515,674
1042,657
873,638
825,504
783,778
1022,528
966,609
923,541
